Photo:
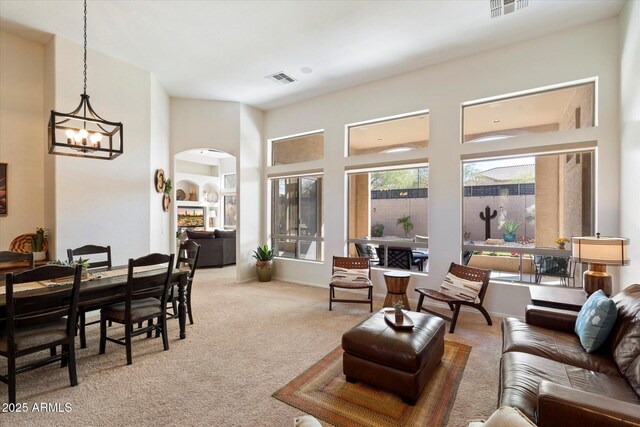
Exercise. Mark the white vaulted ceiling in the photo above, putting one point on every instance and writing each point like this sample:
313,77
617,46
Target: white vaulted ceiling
224,49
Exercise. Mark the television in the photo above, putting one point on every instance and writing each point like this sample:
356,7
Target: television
190,217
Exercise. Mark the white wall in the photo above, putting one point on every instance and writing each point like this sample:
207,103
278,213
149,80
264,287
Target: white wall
98,201
160,221
249,194
583,52
22,134
630,137
237,130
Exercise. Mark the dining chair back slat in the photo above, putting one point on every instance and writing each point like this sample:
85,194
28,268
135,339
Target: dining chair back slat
11,257
91,250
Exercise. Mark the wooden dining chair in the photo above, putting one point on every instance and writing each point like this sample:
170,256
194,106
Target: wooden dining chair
146,299
36,322
463,272
17,257
87,251
342,281
188,254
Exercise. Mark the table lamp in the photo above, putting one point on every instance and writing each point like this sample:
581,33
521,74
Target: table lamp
599,252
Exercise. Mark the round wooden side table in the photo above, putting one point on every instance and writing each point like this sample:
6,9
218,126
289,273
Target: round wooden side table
397,283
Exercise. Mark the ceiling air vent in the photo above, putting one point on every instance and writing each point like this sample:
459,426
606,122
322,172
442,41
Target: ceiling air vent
281,78
503,7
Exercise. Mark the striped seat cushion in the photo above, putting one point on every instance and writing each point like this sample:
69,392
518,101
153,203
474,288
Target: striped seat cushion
350,277
462,289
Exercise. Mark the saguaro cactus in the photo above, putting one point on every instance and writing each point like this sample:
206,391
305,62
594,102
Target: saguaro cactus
487,216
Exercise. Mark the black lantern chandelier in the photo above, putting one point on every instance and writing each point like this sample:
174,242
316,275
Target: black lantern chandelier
82,132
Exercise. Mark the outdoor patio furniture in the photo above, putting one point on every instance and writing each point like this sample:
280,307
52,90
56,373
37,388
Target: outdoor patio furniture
403,258
562,267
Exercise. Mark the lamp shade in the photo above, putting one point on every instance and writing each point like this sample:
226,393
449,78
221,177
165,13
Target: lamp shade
601,250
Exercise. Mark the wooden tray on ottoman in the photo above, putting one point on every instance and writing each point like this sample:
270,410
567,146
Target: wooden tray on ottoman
390,317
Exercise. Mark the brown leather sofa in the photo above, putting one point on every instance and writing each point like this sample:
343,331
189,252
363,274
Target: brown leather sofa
546,374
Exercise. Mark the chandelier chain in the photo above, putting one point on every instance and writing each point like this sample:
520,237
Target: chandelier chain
85,47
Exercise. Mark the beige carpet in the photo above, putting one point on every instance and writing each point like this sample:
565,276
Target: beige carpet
248,341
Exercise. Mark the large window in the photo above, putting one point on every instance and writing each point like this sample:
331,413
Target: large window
230,211
296,229
297,149
570,107
388,217
517,212
390,135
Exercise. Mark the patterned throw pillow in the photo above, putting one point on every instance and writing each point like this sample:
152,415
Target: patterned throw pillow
595,321
463,289
353,276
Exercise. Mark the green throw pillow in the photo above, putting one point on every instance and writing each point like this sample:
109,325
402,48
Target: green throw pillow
595,321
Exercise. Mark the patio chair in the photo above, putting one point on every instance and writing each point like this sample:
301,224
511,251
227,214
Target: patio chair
463,272
562,267
401,258
367,251
343,279
73,255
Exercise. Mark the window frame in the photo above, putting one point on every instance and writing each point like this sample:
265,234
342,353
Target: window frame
318,239
534,251
529,92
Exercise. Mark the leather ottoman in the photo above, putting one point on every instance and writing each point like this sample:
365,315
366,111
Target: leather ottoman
395,360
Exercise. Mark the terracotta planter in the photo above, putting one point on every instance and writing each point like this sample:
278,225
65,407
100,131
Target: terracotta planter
264,270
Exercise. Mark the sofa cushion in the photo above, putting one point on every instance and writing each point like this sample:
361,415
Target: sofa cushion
192,234
521,374
221,234
554,345
504,416
625,337
595,321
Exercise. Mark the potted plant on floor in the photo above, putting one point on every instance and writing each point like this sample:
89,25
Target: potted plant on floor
510,227
37,244
264,257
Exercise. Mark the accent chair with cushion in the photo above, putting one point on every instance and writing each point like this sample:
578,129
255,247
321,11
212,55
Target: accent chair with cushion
146,299
217,248
40,322
462,286
351,274
548,375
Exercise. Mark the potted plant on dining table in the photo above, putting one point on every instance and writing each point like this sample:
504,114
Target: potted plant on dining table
38,240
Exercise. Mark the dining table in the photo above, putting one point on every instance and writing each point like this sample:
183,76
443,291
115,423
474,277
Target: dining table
105,286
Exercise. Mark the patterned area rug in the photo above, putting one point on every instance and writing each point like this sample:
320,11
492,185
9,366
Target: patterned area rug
323,392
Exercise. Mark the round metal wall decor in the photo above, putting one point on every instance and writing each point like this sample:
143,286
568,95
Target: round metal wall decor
159,180
166,202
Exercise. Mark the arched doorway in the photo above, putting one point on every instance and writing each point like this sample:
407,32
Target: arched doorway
205,185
